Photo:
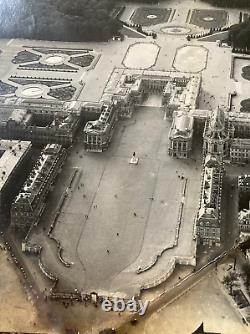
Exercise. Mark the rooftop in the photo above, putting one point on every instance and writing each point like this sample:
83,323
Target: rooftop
12,152
182,125
37,178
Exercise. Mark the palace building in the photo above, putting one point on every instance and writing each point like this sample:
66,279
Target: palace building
181,135
98,134
226,135
126,89
40,122
209,213
14,156
217,134
30,203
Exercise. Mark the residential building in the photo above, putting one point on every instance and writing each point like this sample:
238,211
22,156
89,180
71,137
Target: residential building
240,150
126,89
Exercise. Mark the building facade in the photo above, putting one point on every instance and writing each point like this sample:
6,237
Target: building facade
126,90
98,134
14,158
209,214
30,203
181,135
39,122
244,220
244,183
217,134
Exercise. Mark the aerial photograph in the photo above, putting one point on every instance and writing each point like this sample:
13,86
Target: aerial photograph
125,166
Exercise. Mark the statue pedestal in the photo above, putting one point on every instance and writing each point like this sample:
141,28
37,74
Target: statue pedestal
134,161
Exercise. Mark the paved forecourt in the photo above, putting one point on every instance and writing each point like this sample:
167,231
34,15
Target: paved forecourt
120,217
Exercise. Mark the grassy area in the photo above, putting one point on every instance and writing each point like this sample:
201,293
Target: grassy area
246,72
208,19
146,16
245,105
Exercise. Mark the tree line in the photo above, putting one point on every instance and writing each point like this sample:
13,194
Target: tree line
229,3
239,35
62,20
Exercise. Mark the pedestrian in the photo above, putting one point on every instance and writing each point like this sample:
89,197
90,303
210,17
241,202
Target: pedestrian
107,251
117,234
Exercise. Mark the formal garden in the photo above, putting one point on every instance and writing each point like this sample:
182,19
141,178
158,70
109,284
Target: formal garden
147,16
25,56
63,93
208,18
245,106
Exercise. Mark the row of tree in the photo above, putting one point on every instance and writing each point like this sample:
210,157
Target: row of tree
64,20
229,3
239,35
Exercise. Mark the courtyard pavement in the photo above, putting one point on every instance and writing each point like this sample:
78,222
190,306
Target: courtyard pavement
119,217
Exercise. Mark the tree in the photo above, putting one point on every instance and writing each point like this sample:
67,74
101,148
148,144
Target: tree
229,3
246,269
230,281
66,20
239,35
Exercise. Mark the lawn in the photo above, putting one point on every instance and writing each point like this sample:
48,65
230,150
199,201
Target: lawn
207,19
245,106
246,72
147,16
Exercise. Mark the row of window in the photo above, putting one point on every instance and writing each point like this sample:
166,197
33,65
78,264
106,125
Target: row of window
180,145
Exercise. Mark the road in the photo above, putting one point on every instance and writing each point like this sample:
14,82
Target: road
180,289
